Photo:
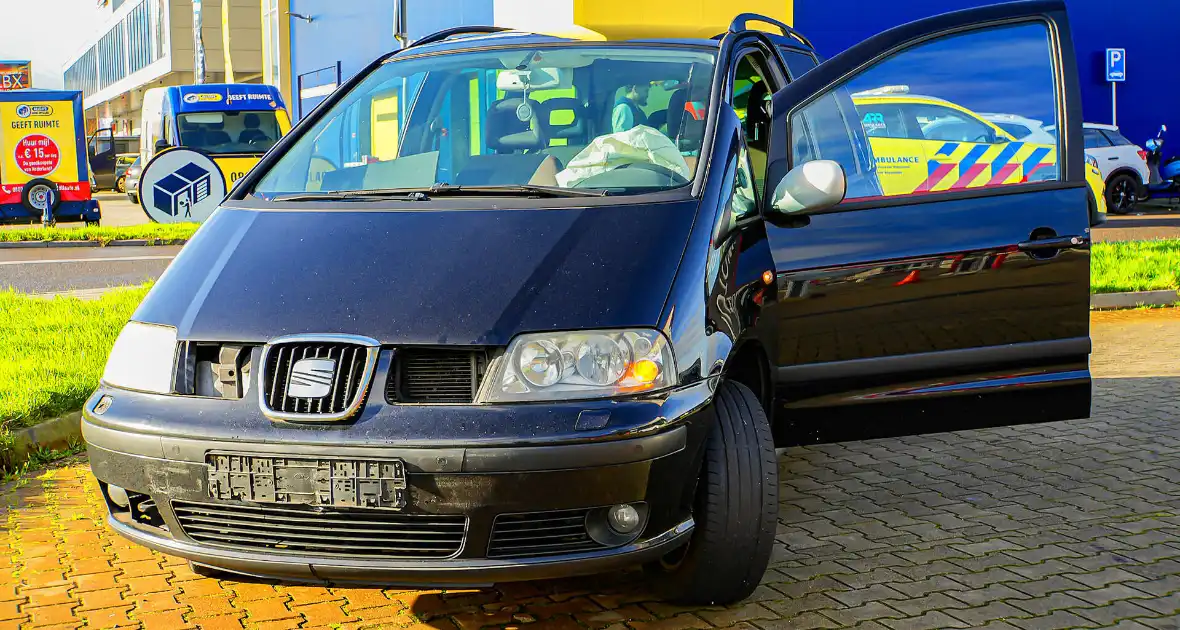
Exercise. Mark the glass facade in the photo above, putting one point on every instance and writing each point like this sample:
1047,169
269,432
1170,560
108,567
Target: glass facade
131,45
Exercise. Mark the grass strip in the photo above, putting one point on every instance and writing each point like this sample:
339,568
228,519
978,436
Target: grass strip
1126,266
153,232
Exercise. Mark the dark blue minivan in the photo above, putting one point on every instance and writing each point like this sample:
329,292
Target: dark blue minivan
510,306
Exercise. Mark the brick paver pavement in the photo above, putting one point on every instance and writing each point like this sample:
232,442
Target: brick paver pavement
1064,525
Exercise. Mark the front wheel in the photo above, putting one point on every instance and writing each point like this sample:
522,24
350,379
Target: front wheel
736,510
1121,194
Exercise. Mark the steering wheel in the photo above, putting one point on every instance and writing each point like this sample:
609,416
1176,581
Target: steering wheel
673,176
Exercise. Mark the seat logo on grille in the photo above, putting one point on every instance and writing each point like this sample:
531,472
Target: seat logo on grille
311,378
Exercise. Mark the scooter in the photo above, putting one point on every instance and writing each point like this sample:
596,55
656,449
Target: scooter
1163,187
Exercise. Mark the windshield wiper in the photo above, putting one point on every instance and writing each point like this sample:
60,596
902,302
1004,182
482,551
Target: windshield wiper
396,194
424,194
512,190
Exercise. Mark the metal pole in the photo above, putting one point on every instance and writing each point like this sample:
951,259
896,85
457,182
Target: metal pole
399,24
198,45
1114,103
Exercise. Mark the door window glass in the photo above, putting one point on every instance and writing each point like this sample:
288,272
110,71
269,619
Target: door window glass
1116,138
1094,139
919,110
798,62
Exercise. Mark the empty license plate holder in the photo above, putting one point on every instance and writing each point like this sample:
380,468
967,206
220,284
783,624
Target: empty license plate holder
328,482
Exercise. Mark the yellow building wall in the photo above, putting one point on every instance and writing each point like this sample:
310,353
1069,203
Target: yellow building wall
617,19
620,19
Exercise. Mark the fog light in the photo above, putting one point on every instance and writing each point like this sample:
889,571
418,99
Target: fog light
118,496
623,518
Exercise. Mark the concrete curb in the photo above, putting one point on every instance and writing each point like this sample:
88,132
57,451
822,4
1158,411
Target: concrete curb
56,433
124,243
1113,301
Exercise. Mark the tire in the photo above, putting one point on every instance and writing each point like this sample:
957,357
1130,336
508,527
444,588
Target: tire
1121,193
133,198
121,184
736,509
35,193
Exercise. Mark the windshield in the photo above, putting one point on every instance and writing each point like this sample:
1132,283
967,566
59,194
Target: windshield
622,119
229,132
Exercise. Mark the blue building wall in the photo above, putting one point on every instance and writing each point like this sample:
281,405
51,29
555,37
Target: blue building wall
1146,29
354,32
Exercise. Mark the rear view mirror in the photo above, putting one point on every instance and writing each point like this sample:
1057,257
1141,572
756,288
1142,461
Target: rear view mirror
810,187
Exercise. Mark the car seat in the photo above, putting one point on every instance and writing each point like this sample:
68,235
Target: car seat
573,132
252,133
510,138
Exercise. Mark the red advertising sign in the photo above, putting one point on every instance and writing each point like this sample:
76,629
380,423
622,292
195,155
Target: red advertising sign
15,75
37,155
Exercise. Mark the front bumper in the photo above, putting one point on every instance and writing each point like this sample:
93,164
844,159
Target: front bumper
656,468
470,572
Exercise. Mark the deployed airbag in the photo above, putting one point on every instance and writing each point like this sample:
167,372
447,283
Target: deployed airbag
639,145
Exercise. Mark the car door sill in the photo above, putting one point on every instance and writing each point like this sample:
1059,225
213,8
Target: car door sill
1008,354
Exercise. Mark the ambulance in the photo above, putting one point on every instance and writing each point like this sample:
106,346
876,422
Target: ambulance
235,123
44,175
926,144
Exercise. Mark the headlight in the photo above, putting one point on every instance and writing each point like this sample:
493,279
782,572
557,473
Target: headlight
1091,160
572,365
143,358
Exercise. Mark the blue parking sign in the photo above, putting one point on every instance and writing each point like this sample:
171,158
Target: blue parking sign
1116,64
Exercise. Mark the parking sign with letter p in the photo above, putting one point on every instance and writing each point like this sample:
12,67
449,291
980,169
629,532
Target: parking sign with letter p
1116,64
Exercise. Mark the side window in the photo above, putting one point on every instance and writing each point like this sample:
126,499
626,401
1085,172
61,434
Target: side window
888,120
824,130
919,108
798,62
1094,139
1116,138
937,122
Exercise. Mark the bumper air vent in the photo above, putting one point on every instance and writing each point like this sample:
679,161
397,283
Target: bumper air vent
541,534
338,532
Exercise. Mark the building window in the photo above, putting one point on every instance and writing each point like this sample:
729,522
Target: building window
272,53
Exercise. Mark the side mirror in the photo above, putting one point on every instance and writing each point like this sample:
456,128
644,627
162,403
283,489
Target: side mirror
161,145
810,187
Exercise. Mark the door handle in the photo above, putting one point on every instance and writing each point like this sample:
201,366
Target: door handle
1115,157
1057,242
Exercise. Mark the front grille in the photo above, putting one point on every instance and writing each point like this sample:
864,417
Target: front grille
330,531
348,382
540,534
436,375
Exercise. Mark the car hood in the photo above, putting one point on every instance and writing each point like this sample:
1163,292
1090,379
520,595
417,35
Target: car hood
462,277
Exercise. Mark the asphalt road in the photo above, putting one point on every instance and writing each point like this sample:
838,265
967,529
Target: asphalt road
53,269
1139,226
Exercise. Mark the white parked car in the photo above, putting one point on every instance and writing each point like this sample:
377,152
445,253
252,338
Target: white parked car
1021,128
1122,162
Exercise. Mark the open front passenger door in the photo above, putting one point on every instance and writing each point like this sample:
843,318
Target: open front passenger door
950,287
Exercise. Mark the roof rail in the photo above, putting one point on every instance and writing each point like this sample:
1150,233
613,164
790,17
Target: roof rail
447,33
739,24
